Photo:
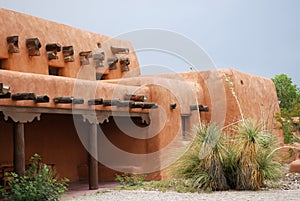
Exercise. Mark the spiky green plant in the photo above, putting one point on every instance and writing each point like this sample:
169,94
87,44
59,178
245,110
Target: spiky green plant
203,162
230,165
256,159
269,167
248,177
243,159
212,154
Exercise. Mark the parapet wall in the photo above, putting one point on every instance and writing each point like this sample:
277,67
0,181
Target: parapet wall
34,45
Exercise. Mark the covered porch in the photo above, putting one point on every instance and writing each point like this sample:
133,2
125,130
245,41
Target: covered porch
50,132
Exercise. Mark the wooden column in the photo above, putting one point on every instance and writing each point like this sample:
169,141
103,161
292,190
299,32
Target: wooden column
92,157
19,148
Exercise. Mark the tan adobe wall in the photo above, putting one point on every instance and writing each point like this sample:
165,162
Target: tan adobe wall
26,27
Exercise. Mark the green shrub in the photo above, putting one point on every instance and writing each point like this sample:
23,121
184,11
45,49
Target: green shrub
2,192
179,185
127,180
38,183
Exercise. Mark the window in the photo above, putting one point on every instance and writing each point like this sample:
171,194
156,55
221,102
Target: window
54,71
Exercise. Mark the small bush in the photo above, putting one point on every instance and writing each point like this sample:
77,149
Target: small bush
38,183
179,185
2,192
127,180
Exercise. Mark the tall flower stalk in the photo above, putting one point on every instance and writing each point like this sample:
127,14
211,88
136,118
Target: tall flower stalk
231,88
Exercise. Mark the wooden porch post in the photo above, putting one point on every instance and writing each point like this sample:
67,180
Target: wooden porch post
92,157
19,148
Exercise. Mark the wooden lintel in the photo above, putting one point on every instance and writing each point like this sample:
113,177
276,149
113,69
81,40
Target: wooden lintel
68,100
97,101
42,99
126,103
23,96
201,108
7,95
112,102
144,105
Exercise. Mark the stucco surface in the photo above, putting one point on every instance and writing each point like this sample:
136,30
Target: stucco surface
55,136
26,26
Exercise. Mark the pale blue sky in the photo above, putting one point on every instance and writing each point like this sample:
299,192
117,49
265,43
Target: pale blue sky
261,37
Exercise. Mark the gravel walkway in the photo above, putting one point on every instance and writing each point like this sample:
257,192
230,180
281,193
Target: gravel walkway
287,189
140,195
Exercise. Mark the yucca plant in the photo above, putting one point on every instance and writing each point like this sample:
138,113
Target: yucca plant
247,135
230,165
203,162
243,159
269,167
188,163
212,154
256,159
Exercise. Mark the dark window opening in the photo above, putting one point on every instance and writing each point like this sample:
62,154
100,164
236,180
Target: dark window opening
1,64
54,71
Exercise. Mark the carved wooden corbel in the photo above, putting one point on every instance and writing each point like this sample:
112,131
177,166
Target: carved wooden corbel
22,117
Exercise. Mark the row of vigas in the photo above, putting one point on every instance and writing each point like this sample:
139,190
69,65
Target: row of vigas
55,51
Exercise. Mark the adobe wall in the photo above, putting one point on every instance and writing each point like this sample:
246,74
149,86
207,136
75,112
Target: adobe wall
62,86
257,97
26,26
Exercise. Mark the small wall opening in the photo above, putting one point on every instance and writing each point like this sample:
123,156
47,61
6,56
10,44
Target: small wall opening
3,64
54,71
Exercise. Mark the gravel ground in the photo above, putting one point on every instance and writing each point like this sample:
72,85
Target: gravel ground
288,189
284,195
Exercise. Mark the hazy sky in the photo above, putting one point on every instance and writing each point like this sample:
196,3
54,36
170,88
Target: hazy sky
261,37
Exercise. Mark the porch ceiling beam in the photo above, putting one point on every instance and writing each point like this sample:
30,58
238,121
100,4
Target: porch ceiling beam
122,113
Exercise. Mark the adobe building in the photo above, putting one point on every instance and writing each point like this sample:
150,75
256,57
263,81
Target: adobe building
64,91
